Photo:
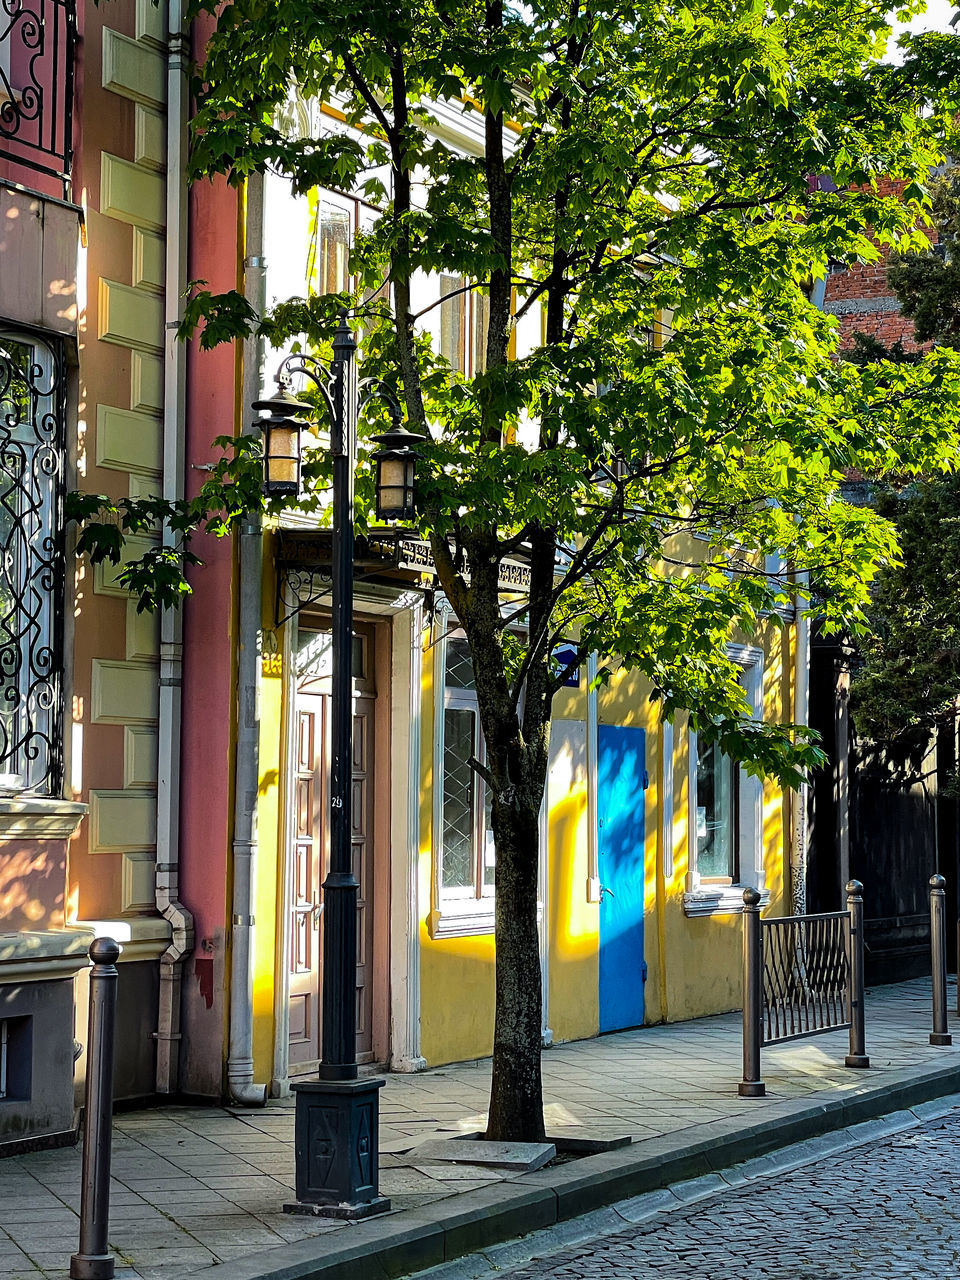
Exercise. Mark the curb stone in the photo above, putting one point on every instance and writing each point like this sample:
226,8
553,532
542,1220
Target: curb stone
416,1239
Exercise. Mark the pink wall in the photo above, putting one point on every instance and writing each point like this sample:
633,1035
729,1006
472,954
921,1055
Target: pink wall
208,669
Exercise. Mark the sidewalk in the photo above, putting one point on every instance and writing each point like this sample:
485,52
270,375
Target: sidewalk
194,1187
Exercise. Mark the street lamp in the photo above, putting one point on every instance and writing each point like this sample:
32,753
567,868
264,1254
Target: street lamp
286,417
396,468
337,1119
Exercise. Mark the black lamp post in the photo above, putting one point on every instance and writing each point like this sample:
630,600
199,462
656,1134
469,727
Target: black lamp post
337,1115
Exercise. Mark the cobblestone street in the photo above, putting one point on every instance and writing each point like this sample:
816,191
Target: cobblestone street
886,1211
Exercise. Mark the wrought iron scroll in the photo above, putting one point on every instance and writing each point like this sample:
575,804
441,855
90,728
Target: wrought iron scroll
32,429
806,975
37,46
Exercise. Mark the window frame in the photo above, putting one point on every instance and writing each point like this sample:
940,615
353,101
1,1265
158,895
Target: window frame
706,896
457,911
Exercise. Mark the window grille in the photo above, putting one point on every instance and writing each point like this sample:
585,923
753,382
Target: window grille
32,428
37,43
467,861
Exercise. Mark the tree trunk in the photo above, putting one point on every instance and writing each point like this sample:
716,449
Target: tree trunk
516,1098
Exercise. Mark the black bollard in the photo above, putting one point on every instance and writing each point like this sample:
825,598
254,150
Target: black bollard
857,1057
752,1086
938,961
93,1261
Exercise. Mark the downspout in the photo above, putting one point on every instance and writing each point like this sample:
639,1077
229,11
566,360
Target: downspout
171,620
240,1081
801,716
800,844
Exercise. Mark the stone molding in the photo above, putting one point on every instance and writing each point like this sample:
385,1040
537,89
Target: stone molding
141,937
39,955
39,818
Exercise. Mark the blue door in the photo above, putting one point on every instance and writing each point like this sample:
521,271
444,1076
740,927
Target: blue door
621,779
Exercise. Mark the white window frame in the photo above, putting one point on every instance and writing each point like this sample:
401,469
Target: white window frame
702,899
459,913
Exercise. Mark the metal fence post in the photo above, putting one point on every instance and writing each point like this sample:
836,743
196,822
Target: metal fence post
938,960
751,1086
93,1261
857,1057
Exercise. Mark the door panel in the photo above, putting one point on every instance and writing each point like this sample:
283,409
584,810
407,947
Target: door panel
310,840
621,779
311,851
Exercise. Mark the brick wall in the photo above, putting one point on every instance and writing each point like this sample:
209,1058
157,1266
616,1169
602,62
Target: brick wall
861,299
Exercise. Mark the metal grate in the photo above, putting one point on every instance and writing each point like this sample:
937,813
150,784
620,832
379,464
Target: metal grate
37,45
32,428
806,975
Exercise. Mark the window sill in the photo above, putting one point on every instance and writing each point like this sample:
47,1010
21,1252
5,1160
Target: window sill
718,900
466,919
45,954
461,922
39,818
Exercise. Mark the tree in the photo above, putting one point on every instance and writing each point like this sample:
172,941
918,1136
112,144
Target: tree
643,169
906,685
927,281
909,682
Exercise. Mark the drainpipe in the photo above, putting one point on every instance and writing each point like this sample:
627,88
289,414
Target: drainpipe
801,716
171,621
240,1081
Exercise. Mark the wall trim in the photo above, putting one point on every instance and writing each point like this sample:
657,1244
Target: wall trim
40,818
42,954
140,937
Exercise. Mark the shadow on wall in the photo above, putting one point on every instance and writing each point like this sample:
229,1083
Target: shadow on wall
32,886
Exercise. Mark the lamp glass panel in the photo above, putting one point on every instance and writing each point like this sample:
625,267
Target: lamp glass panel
392,487
283,455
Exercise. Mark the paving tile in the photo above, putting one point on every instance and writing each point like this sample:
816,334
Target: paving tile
223,1173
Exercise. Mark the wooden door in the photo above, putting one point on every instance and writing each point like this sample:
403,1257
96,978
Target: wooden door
311,849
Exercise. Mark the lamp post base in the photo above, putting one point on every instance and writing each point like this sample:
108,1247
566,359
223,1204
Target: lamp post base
940,1037
856,1060
752,1089
336,1143
348,1212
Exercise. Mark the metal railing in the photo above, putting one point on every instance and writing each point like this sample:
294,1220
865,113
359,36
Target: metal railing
37,48
802,975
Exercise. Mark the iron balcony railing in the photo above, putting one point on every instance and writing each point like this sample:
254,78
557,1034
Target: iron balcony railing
37,47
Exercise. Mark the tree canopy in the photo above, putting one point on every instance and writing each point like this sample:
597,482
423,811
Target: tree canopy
641,170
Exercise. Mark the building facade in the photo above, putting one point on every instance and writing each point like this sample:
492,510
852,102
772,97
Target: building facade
163,779
647,839
92,120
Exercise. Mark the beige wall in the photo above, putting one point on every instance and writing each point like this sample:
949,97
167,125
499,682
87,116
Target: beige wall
121,187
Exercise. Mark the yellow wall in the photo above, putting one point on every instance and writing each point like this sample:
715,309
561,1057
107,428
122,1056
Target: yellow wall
271,862
572,920
456,974
694,964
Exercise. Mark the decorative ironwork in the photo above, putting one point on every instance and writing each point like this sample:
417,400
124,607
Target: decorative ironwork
806,975
37,43
32,419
